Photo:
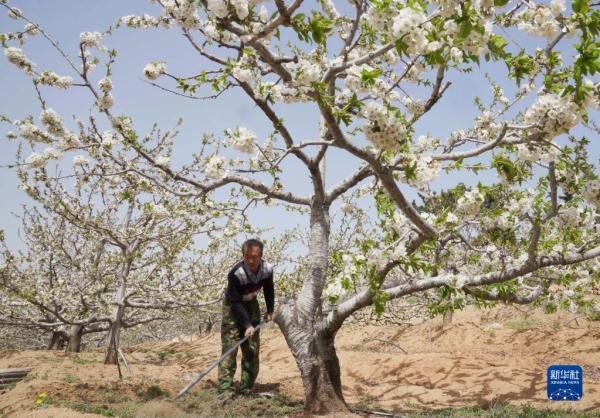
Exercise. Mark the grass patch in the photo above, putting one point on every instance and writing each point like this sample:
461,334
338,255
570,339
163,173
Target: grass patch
522,324
164,354
209,402
121,410
69,378
80,360
152,392
87,408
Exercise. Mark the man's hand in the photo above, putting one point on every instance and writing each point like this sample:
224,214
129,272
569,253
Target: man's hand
249,331
268,317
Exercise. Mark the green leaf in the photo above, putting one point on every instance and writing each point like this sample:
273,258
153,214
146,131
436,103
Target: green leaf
500,3
320,27
368,77
580,6
497,45
401,47
465,30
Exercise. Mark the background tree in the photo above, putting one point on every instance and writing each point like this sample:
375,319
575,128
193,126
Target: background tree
110,254
374,71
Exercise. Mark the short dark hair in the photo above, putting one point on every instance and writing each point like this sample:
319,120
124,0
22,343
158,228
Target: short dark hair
252,243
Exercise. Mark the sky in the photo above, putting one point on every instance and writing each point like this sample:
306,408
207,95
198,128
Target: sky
66,19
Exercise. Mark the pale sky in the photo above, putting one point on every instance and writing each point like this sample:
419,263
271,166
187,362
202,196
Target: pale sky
66,19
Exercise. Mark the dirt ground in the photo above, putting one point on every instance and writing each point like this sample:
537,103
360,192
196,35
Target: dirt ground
484,358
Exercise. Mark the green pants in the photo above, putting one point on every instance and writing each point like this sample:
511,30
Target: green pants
230,334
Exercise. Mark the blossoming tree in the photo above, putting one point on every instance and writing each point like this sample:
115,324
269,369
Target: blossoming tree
109,252
375,71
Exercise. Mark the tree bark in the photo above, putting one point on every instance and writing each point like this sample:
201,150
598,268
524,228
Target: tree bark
114,336
318,363
75,334
114,333
57,341
313,346
447,319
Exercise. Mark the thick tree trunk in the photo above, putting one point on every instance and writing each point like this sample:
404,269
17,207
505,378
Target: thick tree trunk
312,347
75,334
319,367
321,377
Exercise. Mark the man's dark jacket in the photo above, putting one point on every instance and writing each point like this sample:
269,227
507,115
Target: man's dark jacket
243,285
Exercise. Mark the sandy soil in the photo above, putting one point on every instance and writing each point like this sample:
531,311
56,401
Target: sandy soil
485,358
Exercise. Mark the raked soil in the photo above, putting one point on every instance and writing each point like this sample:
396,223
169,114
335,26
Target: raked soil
484,358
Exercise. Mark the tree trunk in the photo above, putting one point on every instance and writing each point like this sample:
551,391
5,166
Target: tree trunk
313,347
114,337
57,341
319,367
447,319
114,333
75,334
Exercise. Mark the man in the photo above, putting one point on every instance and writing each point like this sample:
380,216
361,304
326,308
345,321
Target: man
241,314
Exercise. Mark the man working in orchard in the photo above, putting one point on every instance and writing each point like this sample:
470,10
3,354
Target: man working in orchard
241,314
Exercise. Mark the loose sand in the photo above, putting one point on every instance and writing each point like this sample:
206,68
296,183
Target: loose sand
485,358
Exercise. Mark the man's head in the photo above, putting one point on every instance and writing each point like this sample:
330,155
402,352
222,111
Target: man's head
252,251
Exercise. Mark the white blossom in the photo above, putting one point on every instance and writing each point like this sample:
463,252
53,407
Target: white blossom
329,9
52,153
553,113
52,121
470,203
242,139
423,143
569,217
14,13
540,21
416,107
31,132
433,46
154,70
90,39
146,21
425,170
409,26
105,84
18,58
163,161
456,55
244,75
241,8
108,138
304,72
80,160
217,8
214,168
384,129
557,7
50,78
160,212
106,101
36,160
592,192
31,29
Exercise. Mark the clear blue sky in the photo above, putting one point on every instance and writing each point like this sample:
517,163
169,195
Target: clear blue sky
66,19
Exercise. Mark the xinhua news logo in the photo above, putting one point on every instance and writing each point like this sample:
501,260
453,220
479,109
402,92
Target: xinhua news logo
565,383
